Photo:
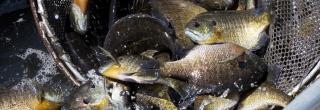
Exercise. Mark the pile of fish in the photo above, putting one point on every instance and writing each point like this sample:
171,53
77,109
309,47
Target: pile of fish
168,55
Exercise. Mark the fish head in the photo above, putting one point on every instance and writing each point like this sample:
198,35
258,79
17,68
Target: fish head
202,29
91,95
136,69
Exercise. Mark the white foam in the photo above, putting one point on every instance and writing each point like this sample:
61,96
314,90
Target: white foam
45,73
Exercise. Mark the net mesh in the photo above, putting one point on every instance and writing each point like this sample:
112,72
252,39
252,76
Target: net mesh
294,44
57,13
294,36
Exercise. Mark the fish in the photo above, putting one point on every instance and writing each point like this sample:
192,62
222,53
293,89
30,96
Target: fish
215,4
137,33
86,97
163,104
127,67
178,13
264,96
25,99
56,89
209,102
245,28
78,16
205,69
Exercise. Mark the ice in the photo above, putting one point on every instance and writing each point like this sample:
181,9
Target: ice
44,74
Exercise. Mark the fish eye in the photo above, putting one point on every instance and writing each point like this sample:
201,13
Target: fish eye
196,24
92,86
213,22
86,101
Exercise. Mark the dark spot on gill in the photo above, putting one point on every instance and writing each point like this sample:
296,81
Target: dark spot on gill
242,64
196,24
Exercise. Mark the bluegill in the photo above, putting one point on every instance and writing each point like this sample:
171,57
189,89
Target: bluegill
266,95
90,96
26,99
245,28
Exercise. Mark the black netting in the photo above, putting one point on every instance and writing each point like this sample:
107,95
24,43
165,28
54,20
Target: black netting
294,44
57,13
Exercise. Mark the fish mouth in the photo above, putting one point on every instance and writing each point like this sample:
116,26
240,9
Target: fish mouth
197,37
192,34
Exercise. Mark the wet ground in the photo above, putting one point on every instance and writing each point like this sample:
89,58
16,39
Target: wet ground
23,57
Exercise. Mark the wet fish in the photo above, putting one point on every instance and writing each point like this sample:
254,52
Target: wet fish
245,28
56,89
263,97
137,33
24,100
127,68
78,15
178,13
209,68
90,96
215,4
209,102
158,102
